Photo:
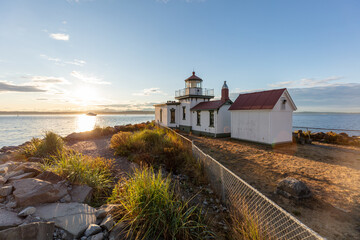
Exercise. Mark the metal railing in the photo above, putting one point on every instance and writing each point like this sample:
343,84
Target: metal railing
194,91
237,194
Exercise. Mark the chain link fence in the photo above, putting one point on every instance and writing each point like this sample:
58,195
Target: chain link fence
241,197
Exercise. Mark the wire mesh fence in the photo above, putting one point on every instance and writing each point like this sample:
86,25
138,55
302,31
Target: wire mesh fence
239,196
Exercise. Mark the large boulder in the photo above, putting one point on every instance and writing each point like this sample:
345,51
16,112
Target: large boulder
72,217
32,191
50,177
27,167
9,219
33,231
6,190
81,193
293,188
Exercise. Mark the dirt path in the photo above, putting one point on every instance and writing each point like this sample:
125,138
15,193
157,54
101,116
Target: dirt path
100,147
332,173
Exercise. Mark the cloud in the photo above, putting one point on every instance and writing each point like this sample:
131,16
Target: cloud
49,80
60,36
42,99
144,106
308,82
88,78
9,87
339,97
149,91
58,61
64,22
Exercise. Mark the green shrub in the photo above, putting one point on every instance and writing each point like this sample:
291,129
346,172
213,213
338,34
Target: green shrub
156,147
147,203
82,169
50,145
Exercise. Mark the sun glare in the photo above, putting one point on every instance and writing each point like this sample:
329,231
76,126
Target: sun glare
85,123
86,95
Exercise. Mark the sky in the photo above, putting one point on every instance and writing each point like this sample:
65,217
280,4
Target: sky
70,55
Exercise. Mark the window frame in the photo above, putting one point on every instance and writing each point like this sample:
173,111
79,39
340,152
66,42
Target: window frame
198,118
161,111
211,120
172,117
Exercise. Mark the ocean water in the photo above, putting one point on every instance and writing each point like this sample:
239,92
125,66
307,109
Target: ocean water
15,130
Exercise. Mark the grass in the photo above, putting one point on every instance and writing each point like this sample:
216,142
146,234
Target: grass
245,225
81,169
50,145
147,203
157,147
136,127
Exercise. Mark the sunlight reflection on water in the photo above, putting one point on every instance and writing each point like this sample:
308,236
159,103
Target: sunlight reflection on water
85,123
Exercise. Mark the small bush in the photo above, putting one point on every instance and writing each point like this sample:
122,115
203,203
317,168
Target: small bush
50,145
154,146
147,203
245,225
82,169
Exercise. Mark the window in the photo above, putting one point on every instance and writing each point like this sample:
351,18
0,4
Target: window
160,115
184,113
283,104
172,115
211,120
198,118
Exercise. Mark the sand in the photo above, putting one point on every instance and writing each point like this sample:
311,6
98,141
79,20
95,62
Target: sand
331,172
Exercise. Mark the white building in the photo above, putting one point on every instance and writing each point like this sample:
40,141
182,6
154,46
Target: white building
264,117
195,112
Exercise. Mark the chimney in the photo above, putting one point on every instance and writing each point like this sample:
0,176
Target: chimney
225,92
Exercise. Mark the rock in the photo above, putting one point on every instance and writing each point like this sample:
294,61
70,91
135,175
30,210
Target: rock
13,174
109,208
292,187
2,199
99,236
6,190
72,217
101,213
2,180
9,219
22,176
35,159
81,193
108,223
27,211
66,198
31,191
11,204
50,177
118,232
28,167
33,231
92,230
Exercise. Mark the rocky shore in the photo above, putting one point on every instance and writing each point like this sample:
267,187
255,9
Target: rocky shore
37,204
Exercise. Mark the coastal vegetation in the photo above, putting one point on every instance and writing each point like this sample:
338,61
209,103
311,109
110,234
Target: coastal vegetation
50,145
328,137
95,172
148,205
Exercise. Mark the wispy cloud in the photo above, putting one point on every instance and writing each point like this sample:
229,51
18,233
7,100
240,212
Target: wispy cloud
49,80
64,22
88,78
58,61
143,106
10,87
308,82
149,92
60,36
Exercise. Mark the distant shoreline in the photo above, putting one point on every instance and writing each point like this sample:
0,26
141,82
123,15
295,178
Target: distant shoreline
72,113
127,112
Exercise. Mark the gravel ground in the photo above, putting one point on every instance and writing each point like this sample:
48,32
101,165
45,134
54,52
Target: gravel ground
332,173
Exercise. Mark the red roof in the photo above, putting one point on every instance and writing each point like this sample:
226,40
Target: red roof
210,105
257,100
193,77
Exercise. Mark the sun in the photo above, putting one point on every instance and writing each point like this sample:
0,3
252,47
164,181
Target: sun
86,95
